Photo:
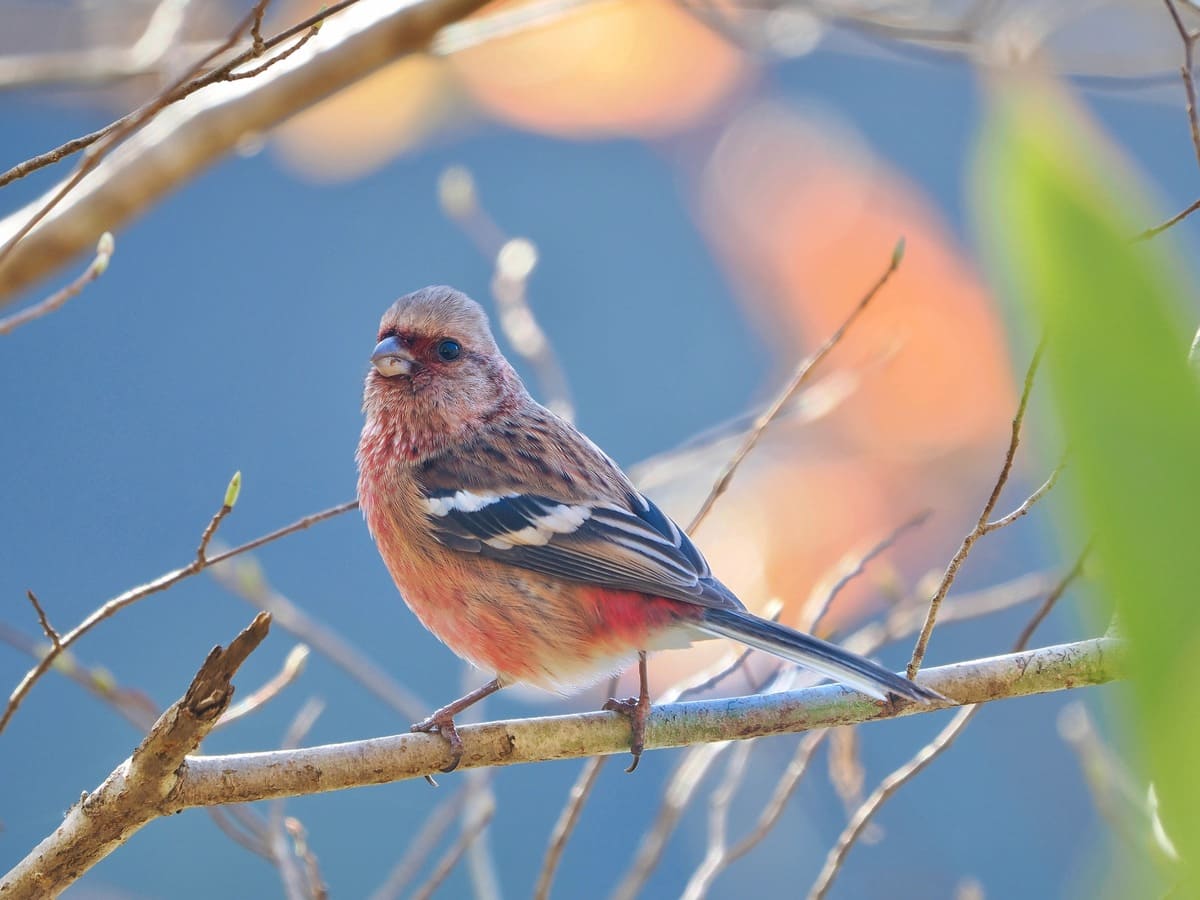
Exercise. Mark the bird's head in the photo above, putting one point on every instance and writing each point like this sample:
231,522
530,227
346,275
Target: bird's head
436,370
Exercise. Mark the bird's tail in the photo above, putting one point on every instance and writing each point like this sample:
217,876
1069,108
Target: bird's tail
813,653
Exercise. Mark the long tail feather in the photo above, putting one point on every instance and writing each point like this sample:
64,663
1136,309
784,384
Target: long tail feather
813,653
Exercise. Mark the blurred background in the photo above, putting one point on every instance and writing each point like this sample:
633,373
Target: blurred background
688,198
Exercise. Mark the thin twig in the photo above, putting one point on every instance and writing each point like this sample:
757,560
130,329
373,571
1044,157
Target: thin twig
451,857
822,598
421,847
133,595
867,641
981,525
1120,800
296,885
719,802
684,783
230,826
70,148
97,150
927,754
44,621
798,379
892,783
1051,600
719,857
189,82
259,11
278,58
1186,71
246,580
134,706
239,822
567,820
293,666
134,793
1027,503
231,496
1170,223
96,268
1185,74
312,869
514,260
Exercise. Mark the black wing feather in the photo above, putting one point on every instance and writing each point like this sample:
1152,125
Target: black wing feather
635,549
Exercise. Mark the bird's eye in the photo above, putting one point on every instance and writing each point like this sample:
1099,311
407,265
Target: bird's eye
449,350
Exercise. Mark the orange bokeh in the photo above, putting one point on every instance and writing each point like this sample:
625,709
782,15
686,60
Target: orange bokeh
360,128
633,67
807,220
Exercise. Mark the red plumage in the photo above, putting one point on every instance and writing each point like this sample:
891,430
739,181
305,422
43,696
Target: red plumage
517,541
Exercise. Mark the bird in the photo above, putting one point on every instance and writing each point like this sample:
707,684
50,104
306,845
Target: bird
521,545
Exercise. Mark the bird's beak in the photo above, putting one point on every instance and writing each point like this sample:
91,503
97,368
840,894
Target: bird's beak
390,358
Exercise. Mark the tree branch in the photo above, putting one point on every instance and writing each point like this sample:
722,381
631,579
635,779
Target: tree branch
197,131
158,781
139,789
257,776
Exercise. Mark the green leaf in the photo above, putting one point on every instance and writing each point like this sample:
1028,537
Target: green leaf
1058,212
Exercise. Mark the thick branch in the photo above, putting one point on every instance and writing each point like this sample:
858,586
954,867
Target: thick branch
238,778
138,791
158,781
197,131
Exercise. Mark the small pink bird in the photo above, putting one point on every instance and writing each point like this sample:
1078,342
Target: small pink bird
520,544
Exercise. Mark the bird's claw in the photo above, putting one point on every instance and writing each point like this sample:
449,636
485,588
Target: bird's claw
443,725
636,709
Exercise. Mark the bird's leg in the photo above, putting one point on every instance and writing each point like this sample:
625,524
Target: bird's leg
637,709
442,721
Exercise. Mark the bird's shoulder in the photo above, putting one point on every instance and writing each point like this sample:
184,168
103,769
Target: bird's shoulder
528,450
530,490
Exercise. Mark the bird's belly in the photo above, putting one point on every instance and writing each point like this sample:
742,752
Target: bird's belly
532,629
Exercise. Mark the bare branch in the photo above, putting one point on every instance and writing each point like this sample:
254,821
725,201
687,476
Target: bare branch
97,267
421,847
258,776
892,783
446,864
140,789
231,496
1186,75
823,594
134,706
296,885
312,870
246,580
567,820
146,55
1027,503
121,601
1121,802
292,668
981,525
931,751
1170,223
197,130
47,628
116,809
514,259
798,379
685,781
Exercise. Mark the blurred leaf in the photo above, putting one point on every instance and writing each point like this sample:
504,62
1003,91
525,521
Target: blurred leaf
1058,212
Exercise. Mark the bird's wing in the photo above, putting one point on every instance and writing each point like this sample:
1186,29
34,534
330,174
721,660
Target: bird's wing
622,542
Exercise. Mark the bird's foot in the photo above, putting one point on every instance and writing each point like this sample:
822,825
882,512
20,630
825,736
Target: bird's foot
443,723
636,709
